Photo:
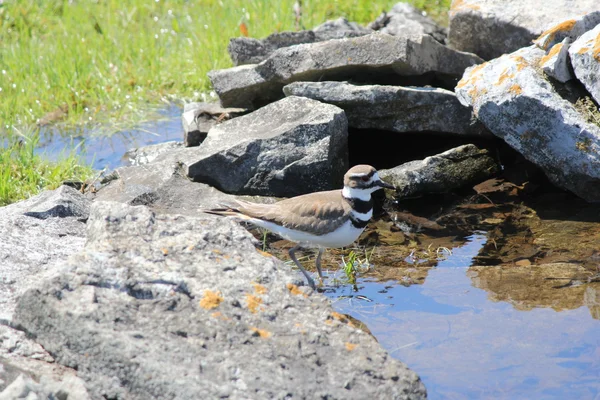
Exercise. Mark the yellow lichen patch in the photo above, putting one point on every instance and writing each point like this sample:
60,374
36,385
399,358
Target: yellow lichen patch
264,253
295,290
458,5
258,288
211,300
350,346
165,251
472,74
504,76
515,89
547,37
520,62
219,315
339,317
253,302
328,322
261,332
553,51
596,49
584,145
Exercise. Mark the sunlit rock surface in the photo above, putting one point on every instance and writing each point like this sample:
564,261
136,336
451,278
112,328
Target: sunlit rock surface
377,55
393,108
585,58
516,102
490,28
182,307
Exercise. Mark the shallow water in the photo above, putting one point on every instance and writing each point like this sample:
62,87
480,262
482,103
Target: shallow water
466,346
102,151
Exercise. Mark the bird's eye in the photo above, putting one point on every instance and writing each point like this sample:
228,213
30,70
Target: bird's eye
365,179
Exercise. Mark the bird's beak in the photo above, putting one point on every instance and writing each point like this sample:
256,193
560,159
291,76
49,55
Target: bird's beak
386,185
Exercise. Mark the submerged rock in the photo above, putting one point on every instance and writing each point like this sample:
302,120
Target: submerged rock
441,173
404,19
198,118
490,28
163,306
294,146
393,108
514,100
377,54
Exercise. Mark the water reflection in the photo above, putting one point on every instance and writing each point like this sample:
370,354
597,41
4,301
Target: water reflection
102,151
470,343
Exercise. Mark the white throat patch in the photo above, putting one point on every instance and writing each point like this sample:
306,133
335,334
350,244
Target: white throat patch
354,193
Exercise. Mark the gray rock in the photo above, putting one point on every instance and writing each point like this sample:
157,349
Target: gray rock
393,108
198,118
36,234
404,19
245,50
147,154
441,173
26,388
164,306
290,147
490,28
571,28
556,63
377,54
585,58
513,99
162,186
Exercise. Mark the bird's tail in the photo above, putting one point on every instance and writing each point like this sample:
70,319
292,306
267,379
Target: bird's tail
227,210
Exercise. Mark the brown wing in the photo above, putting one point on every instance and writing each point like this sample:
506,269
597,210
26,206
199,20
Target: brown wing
300,212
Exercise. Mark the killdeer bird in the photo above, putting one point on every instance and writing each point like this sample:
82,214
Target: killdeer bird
334,218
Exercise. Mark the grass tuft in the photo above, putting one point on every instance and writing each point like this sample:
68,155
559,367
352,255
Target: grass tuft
24,173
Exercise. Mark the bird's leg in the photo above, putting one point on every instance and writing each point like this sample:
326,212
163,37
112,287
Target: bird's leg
318,262
292,253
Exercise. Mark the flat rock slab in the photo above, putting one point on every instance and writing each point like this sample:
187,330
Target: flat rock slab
378,54
441,173
393,108
490,28
163,306
515,101
290,147
36,234
245,50
403,19
163,186
198,118
585,58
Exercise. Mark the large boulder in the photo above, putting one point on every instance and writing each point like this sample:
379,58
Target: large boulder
367,57
38,235
161,306
585,59
490,28
290,147
513,99
403,18
393,108
441,173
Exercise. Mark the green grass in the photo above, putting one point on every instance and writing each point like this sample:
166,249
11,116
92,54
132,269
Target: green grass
111,62
24,174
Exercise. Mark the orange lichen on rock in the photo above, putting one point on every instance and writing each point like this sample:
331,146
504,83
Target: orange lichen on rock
472,74
504,76
458,5
258,288
253,302
350,346
515,89
295,290
339,316
520,62
261,332
553,51
211,300
547,37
